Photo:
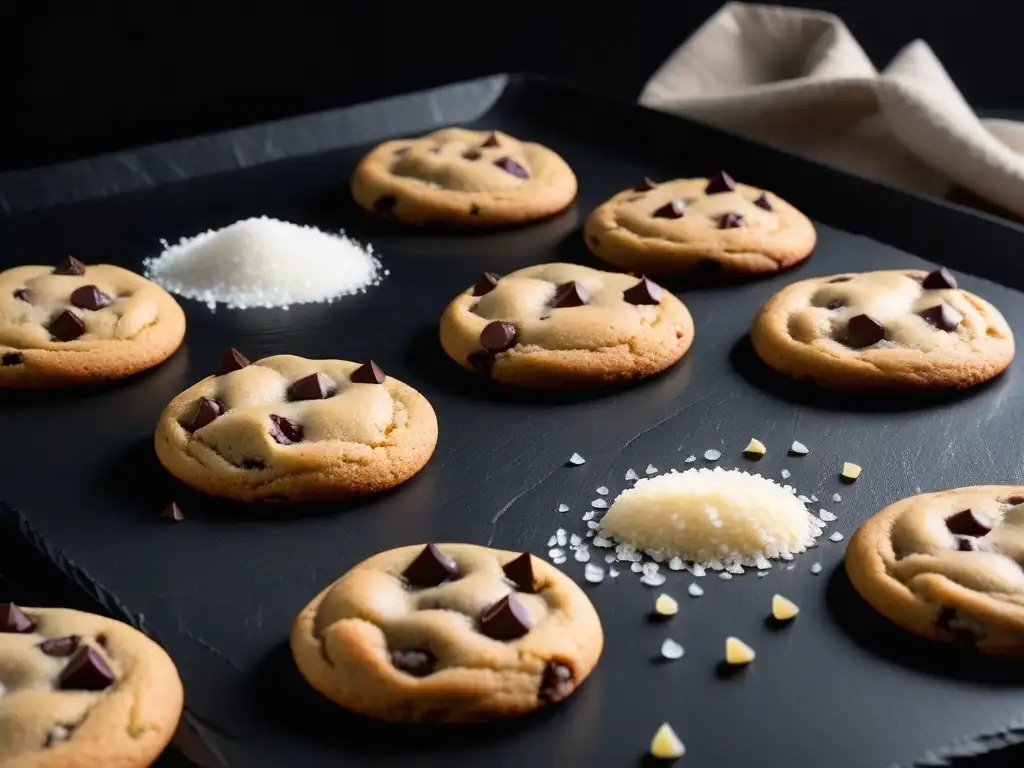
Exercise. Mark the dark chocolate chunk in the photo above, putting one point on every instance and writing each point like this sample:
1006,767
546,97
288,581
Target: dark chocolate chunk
368,373
835,304
472,154
385,204
13,620
474,210
966,543
173,512
520,572
90,297
58,735
481,362
11,358
491,141
673,210
1015,500
556,683
69,266
942,316
415,662
644,292
486,284
24,294
571,294
316,386
67,326
431,568
863,331
967,522
233,360
507,619
762,201
730,221
511,166
646,185
949,621
498,336
60,646
840,279
284,431
207,409
402,151
720,182
87,671
940,279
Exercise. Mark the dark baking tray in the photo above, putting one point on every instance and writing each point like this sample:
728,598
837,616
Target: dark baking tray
839,688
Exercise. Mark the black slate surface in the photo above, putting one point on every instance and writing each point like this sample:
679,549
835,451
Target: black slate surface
840,687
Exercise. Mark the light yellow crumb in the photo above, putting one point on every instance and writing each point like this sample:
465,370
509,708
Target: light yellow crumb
783,608
755,447
666,605
738,652
850,471
666,745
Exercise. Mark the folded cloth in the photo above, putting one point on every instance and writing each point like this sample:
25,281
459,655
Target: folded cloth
798,80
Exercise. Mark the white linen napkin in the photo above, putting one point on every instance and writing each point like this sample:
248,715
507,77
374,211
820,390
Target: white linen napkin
797,80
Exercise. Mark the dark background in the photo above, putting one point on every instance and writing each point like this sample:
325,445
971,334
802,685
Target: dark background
85,77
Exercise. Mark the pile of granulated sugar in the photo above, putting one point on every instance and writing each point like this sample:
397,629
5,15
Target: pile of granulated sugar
263,262
717,518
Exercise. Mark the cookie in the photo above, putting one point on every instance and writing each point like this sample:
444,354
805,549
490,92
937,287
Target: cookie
458,177
79,324
448,633
563,325
948,566
82,691
289,429
702,226
896,329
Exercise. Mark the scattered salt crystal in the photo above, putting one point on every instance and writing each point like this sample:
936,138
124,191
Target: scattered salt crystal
653,579
813,497
602,491
698,570
734,568
556,552
803,498
609,558
560,536
601,541
712,454
799,448
816,568
670,649
650,568
631,474
836,536
613,572
690,459
917,489
636,567
576,460
827,516
588,515
575,540
695,590
599,504
558,560
651,469
786,555
590,534
791,567
582,555
563,507
552,541
836,497
762,574
675,564
593,573
593,524
725,575
762,563
785,474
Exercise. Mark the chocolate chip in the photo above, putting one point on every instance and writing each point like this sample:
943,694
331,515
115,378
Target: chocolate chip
940,279
840,280
835,304
233,360
67,326
646,185
13,620
511,166
571,294
385,204
1015,500
942,316
491,141
507,619
101,639
556,683
316,386
87,671
644,292
253,464
173,512
474,210
90,297
431,568
284,431
966,543
481,362
472,154
60,646
863,331
24,294
498,336
487,282
762,201
730,221
720,182
967,522
69,266
673,210
414,662
207,409
402,151
11,358
368,373
520,572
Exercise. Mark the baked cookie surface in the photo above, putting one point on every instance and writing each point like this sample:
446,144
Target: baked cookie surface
555,325
79,324
948,566
448,633
285,428
887,329
459,177
82,691
705,225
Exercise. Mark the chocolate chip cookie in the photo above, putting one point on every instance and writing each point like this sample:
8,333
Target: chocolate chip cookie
890,329
82,691
460,177
948,566
556,325
289,429
448,633
702,226
79,324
